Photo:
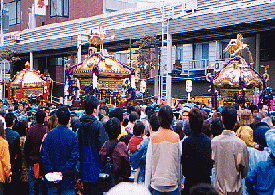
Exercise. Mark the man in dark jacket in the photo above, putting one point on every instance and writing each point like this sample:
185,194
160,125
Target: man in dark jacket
91,136
32,150
196,153
60,153
13,139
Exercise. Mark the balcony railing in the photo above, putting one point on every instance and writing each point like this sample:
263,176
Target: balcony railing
198,65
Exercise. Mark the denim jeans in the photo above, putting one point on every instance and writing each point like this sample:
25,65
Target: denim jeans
61,191
155,192
35,185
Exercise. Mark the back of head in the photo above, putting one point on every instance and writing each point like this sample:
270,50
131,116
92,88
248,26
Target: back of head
179,130
270,139
2,112
91,103
154,122
117,113
138,128
40,116
130,108
105,108
259,134
22,127
203,189
165,116
229,117
113,128
133,117
216,126
195,120
63,115
53,122
186,127
9,118
206,128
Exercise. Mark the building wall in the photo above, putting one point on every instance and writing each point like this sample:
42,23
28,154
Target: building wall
77,9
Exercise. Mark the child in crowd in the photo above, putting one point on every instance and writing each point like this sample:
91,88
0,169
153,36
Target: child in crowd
134,142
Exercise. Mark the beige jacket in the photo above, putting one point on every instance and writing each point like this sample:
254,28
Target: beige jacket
5,165
163,161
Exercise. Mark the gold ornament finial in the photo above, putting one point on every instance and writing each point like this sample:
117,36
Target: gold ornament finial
265,75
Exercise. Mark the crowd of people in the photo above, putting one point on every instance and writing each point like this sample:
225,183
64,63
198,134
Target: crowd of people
150,149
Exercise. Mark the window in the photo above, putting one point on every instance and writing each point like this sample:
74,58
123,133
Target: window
14,12
60,8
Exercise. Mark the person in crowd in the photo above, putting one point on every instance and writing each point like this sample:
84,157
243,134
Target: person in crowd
32,151
230,156
60,153
268,121
53,122
138,159
133,117
134,142
259,135
216,126
261,180
13,139
22,130
196,153
179,129
5,165
2,117
163,157
263,111
245,132
91,136
120,158
118,113
206,128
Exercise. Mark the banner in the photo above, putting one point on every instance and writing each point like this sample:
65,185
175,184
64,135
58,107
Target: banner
40,7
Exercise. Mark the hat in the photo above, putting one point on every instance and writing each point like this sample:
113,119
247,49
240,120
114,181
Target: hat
270,139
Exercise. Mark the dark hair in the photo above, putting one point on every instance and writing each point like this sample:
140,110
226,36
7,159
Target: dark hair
2,131
113,128
117,113
229,117
206,128
138,111
9,118
179,130
195,120
148,108
53,122
154,122
138,128
133,117
216,126
203,189
150,113
22,127
75,123
91,103
2,113
40,116
186,127
63,115
104,107
165,116
130,108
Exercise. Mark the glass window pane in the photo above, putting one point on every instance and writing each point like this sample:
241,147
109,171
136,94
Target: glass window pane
66,8
12,12
18,12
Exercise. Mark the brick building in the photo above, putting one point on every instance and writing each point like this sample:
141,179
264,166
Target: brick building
58,11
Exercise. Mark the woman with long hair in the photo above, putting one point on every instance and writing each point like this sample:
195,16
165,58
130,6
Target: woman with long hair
5,165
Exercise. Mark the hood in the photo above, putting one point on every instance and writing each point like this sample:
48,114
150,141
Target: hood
270,139
87,118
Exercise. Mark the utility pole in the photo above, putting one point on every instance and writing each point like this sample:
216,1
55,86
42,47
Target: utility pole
2,33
